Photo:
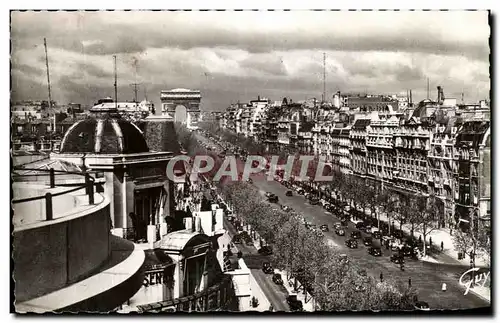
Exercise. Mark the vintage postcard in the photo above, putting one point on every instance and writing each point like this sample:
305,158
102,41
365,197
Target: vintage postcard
250,161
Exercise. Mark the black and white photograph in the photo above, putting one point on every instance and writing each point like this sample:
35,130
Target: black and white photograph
259,161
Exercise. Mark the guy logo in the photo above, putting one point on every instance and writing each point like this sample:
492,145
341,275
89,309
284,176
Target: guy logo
477,279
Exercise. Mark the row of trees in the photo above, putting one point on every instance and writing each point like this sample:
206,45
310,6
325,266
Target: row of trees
422,213
336,282
419,211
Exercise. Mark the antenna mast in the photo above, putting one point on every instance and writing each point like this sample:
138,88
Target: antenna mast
135,84
48,74
428,88
135,90
324,77
116,90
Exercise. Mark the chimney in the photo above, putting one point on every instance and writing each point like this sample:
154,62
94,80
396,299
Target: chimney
197,222
439,93
193,224
411,100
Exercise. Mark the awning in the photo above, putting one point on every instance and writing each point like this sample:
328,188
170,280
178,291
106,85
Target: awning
142,186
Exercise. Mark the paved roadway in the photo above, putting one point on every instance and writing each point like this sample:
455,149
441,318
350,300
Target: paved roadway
276,294
426,277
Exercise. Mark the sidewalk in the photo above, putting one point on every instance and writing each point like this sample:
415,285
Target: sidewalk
308,306
449,254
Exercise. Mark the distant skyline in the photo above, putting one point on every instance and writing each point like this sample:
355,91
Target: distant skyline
231,56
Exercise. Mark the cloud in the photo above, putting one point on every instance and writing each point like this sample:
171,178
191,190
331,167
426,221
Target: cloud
231,56
457,33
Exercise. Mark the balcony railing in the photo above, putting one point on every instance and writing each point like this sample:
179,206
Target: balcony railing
49,215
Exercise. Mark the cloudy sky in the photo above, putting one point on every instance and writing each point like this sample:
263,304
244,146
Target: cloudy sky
232,56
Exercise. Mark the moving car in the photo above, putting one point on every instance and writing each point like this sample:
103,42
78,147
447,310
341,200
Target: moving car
422,306
375,251
351,243
397,259
340,232
356,235
343,258
286,208
277,279
267,268
265,250
337,225
294,304
273,198
324,228
367,241
289,193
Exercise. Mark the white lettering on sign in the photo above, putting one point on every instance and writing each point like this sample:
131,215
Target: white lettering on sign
154,278
481,277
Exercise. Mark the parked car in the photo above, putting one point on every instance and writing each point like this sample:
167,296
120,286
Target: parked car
368,229
395,246
267,268
265,250
351,243
337,225
356,235
340,232
313,200
286,208
319,233
300,191
360,226
375,251
324,228
422,306
398,234
397,259
277,279
289,193
407,251
294,304
237,239
376,235
367,241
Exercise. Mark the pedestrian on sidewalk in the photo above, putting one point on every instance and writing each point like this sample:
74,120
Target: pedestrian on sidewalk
381,277
420,239
430,241
409,282
442,246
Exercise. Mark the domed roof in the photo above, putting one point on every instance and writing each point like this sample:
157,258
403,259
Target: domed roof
104,133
